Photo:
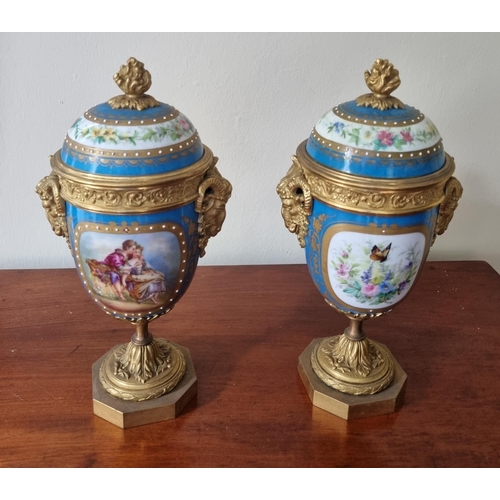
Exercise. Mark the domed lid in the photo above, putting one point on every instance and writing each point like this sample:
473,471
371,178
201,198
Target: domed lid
131,134
377,135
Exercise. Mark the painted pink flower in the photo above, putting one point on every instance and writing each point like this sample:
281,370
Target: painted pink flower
343,270
407,137
385,137
370,290
184,124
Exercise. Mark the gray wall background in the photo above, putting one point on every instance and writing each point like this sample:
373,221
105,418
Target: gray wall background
253,98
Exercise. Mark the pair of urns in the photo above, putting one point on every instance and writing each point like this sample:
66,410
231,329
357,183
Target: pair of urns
137,196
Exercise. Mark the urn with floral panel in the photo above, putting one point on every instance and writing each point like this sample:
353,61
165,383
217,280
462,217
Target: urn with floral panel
367,194
137,196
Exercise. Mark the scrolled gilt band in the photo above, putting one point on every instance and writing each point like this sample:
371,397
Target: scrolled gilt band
105,194
377,196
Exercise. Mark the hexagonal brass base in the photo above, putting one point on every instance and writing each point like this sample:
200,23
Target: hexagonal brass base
127,414
346,406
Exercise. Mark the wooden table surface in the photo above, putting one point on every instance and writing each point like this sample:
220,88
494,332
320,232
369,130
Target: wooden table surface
245,327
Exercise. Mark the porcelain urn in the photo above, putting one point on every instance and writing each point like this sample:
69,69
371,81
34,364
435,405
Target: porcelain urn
366,195
136,195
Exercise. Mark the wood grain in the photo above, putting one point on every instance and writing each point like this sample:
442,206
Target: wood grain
245,327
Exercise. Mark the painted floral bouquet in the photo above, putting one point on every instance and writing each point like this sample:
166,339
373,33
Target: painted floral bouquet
372,278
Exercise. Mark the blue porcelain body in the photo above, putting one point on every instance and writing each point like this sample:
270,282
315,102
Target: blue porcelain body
133,264
366,262
170,246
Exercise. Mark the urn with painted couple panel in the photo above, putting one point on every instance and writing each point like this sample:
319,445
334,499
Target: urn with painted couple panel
137,196
367,194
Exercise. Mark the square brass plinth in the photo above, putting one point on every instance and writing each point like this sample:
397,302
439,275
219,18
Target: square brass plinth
346,406
127,414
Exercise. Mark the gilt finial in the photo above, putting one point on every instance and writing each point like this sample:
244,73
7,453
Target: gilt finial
382,80
134,81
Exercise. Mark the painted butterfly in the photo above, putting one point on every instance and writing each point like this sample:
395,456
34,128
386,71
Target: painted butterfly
380,255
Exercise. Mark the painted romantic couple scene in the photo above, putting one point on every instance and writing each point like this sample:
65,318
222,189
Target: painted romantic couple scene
131,274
